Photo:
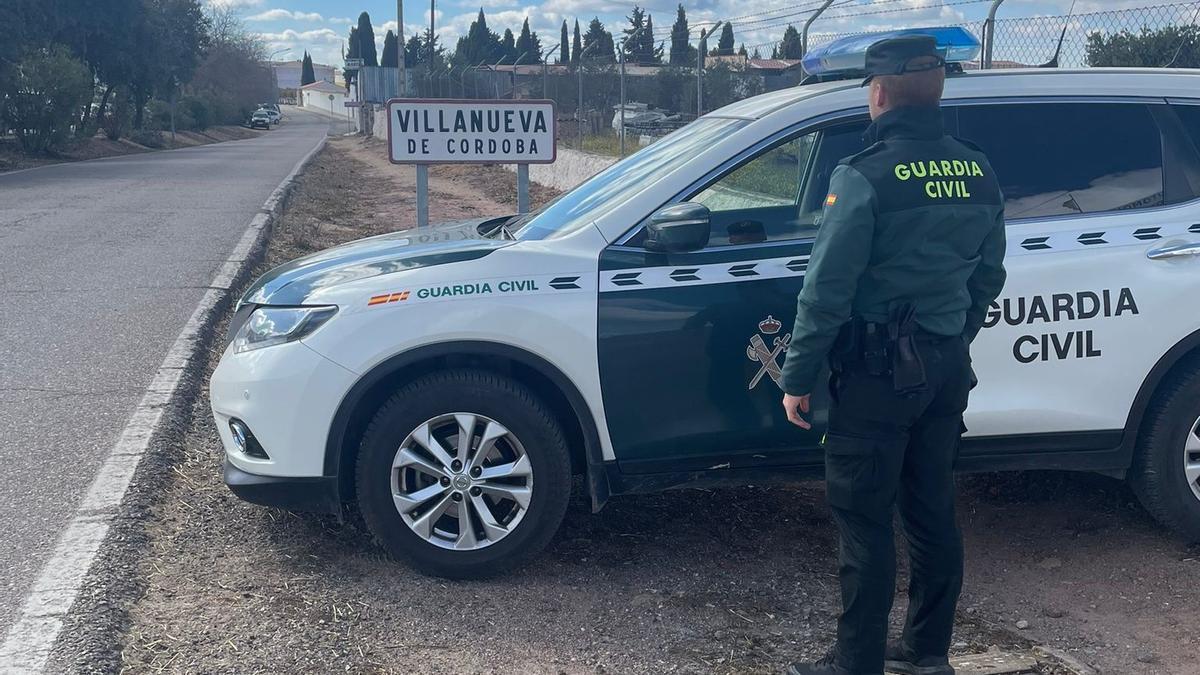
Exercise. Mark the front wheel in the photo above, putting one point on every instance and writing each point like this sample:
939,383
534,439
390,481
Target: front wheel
464,474
1166,467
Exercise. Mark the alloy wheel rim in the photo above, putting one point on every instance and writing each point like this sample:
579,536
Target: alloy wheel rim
1191,457
461,481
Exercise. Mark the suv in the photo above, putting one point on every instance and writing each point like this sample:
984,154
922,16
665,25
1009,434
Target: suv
451,380
260,119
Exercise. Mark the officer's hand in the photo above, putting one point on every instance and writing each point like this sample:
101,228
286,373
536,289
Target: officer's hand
794,405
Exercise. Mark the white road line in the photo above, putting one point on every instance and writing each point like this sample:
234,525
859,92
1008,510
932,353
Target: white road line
29,641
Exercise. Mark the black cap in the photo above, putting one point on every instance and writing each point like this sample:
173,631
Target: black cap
895,56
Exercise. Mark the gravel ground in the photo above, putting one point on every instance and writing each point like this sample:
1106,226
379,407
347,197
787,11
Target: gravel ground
722,581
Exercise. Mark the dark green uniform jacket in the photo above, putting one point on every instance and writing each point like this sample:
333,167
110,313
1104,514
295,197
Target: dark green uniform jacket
917,217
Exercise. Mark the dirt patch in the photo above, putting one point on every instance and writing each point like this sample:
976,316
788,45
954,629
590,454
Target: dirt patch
12,158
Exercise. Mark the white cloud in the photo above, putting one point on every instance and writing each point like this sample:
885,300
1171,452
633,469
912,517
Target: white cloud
285,15
342,20
235,4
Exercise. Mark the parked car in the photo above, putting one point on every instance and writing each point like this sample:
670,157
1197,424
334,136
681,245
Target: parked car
272,114
450,381
260,120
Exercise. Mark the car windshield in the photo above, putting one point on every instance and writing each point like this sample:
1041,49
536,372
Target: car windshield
607,189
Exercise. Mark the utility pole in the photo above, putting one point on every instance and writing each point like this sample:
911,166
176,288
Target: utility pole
700,67
431,33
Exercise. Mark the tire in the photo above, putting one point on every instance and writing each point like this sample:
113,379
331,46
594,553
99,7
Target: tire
438,544
1158,475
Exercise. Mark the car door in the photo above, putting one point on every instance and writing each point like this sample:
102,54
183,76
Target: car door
690,345
1092,190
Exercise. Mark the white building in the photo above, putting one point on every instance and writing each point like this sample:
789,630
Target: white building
287,73
324,97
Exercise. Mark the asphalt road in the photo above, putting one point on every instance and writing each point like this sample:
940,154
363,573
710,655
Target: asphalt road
101,264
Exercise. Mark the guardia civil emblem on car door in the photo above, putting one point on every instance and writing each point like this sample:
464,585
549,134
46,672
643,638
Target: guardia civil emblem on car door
768,357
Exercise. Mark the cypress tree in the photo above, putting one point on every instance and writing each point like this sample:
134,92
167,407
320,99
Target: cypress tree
366,41
307,75
564,45
390,58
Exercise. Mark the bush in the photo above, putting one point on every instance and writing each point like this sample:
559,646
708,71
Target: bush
198,112
151,138
117,117
46,89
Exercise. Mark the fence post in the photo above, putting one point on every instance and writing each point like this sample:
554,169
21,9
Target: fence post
700,67
989,33
804,33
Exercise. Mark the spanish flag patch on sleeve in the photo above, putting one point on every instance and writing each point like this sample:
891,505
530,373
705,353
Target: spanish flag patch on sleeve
830,199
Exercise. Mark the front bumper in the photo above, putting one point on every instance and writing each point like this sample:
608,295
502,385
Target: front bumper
287,395
318,495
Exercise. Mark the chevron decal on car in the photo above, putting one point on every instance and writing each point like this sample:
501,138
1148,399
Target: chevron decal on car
1132,235
1147,233
715,273
1035,244
1090,238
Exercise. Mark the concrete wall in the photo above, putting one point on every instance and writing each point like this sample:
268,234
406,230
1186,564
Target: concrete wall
571,168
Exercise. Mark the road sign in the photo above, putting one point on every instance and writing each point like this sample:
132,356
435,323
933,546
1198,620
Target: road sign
353,104
449,131
354,64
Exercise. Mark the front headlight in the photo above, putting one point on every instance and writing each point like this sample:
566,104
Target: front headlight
276,325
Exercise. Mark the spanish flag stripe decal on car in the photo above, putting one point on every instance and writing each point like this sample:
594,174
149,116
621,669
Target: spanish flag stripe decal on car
830,199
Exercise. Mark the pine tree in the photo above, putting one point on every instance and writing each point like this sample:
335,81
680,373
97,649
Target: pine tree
790,47
508,47
757,54
648,51
390,57
529,47
632,44
598,42
682,53
564,45
415,52
576,45
366,41
725,42
307,75
480,44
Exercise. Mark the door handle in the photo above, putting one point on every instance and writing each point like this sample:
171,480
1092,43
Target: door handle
1173,251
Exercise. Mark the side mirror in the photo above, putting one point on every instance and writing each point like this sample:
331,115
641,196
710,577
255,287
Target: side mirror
678,228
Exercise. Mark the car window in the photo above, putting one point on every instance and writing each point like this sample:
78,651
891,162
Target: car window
614,185
773,196
1190,116
1057,159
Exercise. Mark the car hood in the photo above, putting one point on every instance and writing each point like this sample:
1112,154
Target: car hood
294,283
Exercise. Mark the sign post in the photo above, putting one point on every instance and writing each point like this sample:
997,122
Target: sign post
467,131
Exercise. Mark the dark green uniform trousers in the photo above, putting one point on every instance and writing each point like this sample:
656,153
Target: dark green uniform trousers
884,450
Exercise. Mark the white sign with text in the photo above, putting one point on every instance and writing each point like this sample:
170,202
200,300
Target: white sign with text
464,131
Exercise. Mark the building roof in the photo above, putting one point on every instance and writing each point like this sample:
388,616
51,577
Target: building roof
323,86
774,64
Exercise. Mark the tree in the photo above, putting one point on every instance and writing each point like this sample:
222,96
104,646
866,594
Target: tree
742,51
725,42
307,76
564,46
648,52
1174,46
480,44
366,40
414,51
576,45
791,47
756,54
45,89
632,44
390,57
508,47
682,52
529,47
598,42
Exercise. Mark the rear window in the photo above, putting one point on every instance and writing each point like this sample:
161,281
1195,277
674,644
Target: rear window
1190,116
1056,159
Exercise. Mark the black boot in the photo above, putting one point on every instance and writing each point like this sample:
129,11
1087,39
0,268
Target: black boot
826,665
899,659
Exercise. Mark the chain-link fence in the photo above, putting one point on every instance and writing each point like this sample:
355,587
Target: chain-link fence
591,95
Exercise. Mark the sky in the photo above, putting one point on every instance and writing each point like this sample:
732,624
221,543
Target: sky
321,26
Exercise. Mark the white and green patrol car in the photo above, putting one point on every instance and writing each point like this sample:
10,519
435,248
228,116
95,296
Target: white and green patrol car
451,381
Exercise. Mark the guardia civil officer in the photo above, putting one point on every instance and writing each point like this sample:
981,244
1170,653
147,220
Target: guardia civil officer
908,256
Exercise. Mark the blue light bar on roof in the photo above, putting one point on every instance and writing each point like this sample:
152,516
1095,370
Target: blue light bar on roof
850,53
